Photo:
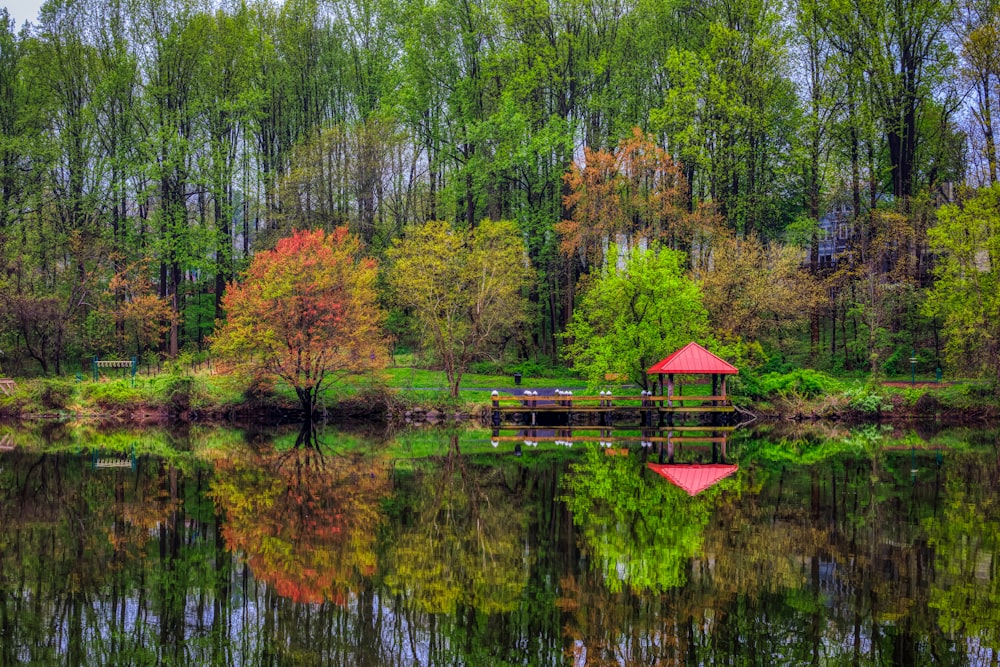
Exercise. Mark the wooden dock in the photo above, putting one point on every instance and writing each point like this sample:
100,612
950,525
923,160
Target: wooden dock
609,409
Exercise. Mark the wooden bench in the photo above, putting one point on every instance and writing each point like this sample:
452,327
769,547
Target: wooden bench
7,386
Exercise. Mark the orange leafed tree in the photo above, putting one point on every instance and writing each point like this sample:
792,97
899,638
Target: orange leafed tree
306,312
635,191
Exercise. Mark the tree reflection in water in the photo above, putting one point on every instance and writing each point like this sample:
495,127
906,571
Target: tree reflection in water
823,550
464,545
306,519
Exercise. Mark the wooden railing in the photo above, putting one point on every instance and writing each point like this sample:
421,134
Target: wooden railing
629,400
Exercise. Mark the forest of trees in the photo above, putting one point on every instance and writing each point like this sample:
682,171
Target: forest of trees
149,147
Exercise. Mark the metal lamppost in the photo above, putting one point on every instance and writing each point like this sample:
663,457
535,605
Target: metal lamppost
913,368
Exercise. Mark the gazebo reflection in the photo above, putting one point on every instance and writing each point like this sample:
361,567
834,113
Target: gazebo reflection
694,477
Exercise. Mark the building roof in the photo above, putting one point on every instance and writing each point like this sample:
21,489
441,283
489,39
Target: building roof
694,477
693,359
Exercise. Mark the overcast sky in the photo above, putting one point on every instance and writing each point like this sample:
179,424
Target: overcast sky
23,10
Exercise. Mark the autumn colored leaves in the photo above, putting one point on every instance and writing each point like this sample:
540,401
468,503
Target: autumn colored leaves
306,312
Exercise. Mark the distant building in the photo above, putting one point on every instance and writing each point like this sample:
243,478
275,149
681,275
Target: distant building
836,228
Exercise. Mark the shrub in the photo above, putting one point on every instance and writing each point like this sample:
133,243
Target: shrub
867,400
112,394
259,389
534,369
54,394
799,383
486,368
174,391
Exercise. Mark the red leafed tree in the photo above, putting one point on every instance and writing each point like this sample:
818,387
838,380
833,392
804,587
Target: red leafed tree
305,312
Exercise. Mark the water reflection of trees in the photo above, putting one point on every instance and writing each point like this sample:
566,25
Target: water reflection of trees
636,529
74,554
820,552
464,542
965,537
825,563
306,521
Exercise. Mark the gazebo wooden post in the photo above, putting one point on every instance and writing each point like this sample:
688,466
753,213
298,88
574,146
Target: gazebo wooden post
670,389
715,387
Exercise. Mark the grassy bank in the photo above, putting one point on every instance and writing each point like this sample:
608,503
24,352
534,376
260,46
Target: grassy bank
208,395
810,395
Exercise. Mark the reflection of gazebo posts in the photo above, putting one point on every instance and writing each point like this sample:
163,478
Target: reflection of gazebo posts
100,460
717,439
693,359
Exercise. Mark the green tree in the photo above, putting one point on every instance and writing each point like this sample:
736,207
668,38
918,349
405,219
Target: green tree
966,295
464,288
639,309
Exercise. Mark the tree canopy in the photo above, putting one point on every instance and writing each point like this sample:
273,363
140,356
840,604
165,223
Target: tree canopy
305,312
642,307
464,288
966,295
184,139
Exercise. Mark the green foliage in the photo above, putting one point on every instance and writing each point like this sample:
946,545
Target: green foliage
638,531
173,391
633,316
868,400
966,295
464,287
112,394
799,383
54,394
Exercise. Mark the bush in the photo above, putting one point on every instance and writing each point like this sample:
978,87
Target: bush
867,400
54,394
112,394
799,383
259,389
174,391
486,368
533,369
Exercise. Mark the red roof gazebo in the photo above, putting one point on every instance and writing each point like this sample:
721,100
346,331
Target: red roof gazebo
693,477
693,359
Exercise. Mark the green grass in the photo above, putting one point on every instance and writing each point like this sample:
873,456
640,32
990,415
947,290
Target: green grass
806,390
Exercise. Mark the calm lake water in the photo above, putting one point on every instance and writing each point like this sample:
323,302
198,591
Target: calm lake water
222,547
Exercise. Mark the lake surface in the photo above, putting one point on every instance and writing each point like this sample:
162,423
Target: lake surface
223,547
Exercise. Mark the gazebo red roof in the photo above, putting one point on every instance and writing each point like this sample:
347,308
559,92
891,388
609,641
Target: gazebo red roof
693,359
694,477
